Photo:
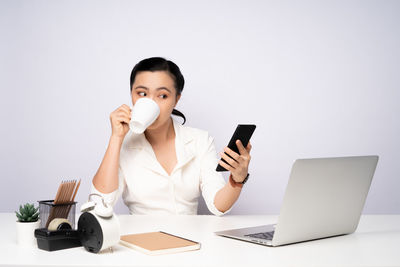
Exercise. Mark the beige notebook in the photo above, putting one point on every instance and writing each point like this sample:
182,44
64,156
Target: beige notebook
156,243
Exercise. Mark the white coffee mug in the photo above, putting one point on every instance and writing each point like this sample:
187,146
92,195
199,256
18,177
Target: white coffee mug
144,113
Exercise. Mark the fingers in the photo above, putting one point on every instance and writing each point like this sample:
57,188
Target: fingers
123,118
241,148
123,114
125,109
120,119
226,166
229,160
248,147
235,161
232,153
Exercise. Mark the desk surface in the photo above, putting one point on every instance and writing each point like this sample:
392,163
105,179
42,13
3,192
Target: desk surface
375,243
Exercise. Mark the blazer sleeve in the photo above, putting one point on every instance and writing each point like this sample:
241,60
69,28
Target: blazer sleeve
112,197
211,181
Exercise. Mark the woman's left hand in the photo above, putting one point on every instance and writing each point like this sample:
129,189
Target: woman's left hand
238,164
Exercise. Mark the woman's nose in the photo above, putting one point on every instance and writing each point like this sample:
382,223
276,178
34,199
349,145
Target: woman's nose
151,96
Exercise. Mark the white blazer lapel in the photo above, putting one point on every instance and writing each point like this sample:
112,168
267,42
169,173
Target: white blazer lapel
184,144
146,156
185,147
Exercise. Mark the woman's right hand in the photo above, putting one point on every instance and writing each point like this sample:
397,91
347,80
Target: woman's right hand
120,119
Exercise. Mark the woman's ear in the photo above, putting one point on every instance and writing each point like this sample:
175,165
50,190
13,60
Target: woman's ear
177,99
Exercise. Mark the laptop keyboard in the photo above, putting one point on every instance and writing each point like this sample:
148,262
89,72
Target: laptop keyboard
265,235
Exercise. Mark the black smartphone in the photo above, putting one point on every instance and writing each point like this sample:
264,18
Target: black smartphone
243,132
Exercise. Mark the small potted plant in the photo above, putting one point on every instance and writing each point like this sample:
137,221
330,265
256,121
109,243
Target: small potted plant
28,221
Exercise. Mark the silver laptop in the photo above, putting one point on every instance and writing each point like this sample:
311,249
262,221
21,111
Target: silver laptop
324,198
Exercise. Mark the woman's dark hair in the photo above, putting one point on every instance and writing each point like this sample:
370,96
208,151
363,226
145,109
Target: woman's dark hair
161,64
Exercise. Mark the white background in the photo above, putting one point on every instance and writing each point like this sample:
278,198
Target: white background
319,78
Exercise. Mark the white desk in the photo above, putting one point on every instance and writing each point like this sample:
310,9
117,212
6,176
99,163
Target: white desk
375,243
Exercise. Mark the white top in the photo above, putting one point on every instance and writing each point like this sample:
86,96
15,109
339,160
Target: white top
148,189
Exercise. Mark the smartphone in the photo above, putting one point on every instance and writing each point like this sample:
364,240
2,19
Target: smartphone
243,132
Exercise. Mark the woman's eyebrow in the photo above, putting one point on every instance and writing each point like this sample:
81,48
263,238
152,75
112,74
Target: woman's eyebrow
158,89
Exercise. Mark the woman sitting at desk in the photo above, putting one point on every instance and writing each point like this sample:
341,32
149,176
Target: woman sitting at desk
163,170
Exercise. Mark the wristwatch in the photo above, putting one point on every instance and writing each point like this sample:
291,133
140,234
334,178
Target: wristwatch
239,183
245,179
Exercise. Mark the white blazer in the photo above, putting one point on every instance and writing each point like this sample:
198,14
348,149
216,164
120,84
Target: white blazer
147,188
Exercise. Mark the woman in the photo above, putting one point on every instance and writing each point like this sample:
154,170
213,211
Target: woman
164,170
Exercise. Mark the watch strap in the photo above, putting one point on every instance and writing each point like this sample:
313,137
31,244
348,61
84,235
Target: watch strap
238,184
245,179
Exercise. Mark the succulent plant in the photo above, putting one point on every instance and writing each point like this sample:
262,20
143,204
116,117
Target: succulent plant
27,213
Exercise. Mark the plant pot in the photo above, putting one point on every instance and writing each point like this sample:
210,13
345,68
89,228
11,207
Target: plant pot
26,233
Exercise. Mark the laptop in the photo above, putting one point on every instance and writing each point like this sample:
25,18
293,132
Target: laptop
324,198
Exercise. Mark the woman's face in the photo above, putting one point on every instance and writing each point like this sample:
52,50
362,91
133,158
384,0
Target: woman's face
158,86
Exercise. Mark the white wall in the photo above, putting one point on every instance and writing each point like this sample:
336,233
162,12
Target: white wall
319,78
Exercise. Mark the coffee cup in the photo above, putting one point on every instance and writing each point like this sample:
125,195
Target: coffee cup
144,113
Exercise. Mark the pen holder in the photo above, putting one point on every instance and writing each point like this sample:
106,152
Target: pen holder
49,211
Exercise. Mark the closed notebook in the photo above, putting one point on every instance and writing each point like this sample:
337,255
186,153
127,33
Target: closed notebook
156,243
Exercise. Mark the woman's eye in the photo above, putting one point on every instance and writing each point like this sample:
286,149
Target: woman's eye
142,93
163,96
